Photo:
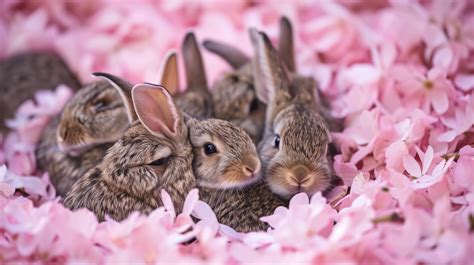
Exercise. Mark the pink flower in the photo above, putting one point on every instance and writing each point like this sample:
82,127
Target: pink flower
5,189
423,179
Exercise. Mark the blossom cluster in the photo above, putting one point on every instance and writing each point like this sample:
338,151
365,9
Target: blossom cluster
399,73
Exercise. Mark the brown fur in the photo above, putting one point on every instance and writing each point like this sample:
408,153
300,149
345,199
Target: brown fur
78,140
300,163
64,170
235,164
22,75
242,208
125,181
196,100
234,99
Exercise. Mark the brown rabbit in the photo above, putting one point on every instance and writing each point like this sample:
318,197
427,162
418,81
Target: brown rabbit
196,100
154,153
234,95
296,140
129,175
224,155
77,140
24,74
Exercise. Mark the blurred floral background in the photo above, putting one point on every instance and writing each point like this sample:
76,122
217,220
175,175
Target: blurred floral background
400,73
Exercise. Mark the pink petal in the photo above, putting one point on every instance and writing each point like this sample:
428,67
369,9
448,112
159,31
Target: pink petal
447,136
394,155
167,202
427,159
411,166
299,199
465,82
443,58
439,100
203,211
190,202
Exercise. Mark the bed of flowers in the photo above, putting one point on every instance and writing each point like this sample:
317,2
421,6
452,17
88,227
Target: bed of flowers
400,73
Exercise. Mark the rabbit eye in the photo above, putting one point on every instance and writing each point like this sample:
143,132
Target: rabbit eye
253,105
209,149
276,143
100,106
158,162
234,79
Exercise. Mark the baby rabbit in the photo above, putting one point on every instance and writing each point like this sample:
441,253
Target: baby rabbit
154,153
24,74
157,153
196,100
296,138
77,140
224,155
233,96
227,169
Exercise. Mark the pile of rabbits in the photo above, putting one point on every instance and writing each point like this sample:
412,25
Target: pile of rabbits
249,142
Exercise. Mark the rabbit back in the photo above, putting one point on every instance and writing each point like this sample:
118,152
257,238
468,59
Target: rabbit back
24,74
93,193
242,209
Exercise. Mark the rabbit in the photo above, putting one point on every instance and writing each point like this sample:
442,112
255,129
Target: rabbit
22,75
153,153
196,100
294,148
78,139
224,159
224,155
157,153
234,95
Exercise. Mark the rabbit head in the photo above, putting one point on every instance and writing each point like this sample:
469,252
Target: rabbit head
224,154
155,151
94,116
233,96
296,138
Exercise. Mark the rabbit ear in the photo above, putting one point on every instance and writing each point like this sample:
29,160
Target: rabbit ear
169,74
156,110
194,66
271,77
231,55
286,47
124,88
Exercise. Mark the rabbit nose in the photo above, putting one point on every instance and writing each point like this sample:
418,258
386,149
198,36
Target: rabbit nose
248,171
300,175
252,168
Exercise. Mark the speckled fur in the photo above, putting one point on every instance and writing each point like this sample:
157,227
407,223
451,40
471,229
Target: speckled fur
242,209
301,162
124,182
78,140
64,170
196,100
233,96
22,75
235,151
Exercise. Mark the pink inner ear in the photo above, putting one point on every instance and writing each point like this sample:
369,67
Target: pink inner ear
155,108
169,73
